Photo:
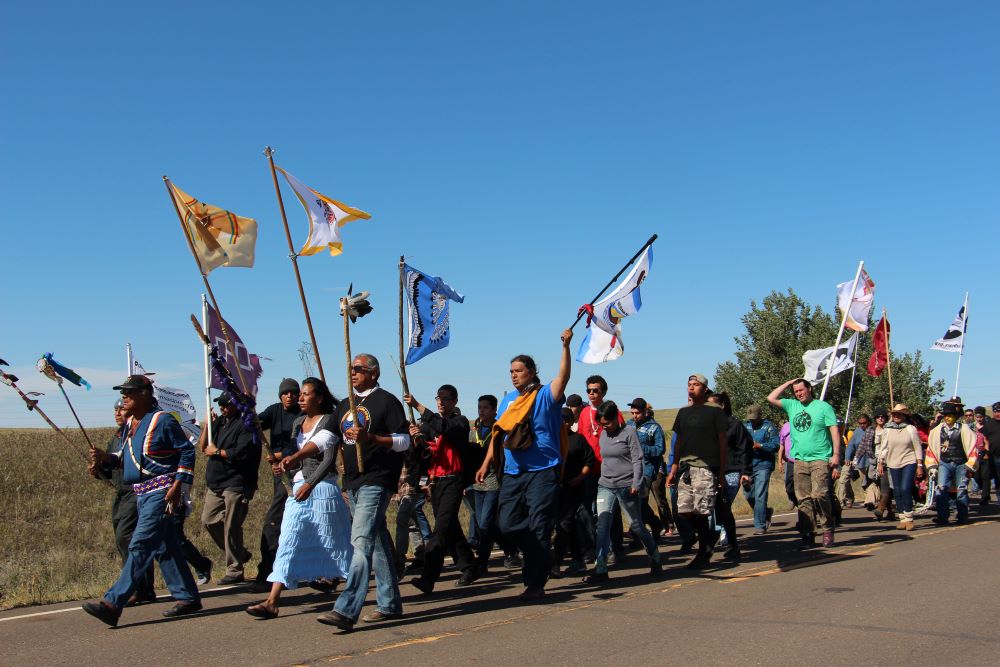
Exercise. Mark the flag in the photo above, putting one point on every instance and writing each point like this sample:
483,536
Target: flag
249,364
954,338
603,341
326,217
219,237
175,401
880,348
428,314
857,307
818,361
56,372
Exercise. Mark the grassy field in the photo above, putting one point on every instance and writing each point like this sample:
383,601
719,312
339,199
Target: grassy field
57,543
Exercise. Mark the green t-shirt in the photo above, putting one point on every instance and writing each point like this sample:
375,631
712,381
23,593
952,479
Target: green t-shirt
698,427
810,429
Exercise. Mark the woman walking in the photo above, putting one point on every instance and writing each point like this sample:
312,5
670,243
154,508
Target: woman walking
902,455
315,538
620,484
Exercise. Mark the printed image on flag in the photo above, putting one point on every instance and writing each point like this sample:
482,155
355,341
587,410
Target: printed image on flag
818,361
603,341
175,401
219,237
857,307
953,339
429,321
326,217
249,364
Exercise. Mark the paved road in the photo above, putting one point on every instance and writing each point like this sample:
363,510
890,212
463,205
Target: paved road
872,598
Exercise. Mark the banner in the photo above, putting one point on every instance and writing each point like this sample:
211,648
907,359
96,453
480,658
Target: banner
954,338
219,237
857,307
880,348
428,312
326,217
603,341
175,401
818,361
247,363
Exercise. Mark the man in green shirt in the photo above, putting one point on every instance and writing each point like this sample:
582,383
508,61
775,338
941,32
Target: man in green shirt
814,429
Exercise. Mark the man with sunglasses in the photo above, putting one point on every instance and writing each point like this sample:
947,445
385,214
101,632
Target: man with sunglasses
446,433
378,428
156,458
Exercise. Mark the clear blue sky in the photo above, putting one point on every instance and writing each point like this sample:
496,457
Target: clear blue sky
522,151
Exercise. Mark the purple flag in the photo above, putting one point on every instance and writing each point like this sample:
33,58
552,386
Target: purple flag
249,364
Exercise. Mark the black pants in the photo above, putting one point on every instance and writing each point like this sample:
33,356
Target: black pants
724,516
447,536
124,517
570,499
790,483
658,494
271,530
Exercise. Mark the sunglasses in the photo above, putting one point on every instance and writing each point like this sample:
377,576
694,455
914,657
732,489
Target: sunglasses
442,398
359,369
593,391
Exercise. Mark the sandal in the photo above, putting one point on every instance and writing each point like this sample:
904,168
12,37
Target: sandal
261,610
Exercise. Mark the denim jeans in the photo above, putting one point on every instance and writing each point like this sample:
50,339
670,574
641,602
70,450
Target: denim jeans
608,501
757,496
949,475
372,549
411,508
902,489
722,518
470,504
528,505
485,503
154,537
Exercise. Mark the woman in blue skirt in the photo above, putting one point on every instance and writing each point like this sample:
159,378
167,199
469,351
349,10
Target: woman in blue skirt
315,540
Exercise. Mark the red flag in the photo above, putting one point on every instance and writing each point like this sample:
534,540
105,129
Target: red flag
880,348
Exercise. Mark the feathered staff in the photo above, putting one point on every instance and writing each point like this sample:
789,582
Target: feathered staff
352,307
56,372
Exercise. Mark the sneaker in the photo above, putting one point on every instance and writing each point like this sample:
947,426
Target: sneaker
468,577
183,608
827,539
767,521
103,611
202,577
231,579
760,531
733,553
878,515
511,562
337,620
721,540
699,562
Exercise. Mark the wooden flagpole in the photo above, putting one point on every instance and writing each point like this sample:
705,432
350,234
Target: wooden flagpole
402,359
292,255
888,357
208,287
843,324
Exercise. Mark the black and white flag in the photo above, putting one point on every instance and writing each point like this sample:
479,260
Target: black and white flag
818,361
954,338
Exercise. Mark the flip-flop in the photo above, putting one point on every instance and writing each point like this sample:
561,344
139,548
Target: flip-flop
260,611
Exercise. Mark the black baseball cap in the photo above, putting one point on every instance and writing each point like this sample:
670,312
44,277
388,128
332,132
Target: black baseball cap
225,398
134,382
638,403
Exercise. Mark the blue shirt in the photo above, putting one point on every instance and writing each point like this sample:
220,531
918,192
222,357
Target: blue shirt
158,447
653,445
546,421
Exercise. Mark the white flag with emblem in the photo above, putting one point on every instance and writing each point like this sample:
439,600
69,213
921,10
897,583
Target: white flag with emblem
953,338
818,361
326,217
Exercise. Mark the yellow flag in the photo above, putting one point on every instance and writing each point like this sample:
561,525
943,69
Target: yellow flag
326,217
219,237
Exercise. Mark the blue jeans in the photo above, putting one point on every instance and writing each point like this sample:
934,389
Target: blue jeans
372,546
155,536
607,506
475,534
757,497
485,519
949,475
902,489
528,505
730,489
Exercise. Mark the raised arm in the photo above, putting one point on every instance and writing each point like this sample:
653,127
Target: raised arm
558,385
774,398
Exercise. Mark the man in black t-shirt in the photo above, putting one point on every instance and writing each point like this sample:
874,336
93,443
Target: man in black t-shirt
378,428
579,461
278,417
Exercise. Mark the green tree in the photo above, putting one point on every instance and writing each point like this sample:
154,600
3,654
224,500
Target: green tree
780,329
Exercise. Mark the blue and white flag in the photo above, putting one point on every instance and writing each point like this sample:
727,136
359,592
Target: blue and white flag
428,312
604,332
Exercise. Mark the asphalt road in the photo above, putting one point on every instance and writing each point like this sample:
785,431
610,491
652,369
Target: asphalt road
879,596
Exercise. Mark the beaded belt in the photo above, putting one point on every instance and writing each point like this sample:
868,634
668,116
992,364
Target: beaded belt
150,485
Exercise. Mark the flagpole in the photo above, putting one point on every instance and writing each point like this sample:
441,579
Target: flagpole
32,404
350,387
292,255
208,372
128,358
850,392
888,355
961,350
843,324
208,287
402,359
611,282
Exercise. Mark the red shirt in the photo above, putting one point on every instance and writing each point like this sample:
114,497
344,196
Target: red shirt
444,458
588,427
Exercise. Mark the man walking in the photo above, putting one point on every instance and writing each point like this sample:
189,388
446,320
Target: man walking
951,448
814,431
765,445
653,445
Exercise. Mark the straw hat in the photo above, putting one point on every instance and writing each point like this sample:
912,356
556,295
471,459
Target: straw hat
901,409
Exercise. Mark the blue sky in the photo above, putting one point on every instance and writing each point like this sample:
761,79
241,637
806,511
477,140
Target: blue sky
522,151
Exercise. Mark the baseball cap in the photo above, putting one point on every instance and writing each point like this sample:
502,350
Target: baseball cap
698,377
574,401
134,382
225,398
638,403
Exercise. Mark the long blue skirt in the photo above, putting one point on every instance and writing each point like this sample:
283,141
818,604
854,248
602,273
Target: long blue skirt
315,538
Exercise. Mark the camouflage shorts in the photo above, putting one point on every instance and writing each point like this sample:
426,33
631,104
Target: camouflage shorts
698,497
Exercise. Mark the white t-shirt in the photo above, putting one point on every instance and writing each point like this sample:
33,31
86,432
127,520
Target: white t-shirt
323,440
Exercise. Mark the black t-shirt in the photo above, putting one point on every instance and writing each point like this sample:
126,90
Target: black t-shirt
698,428
280,421
379,413
578,454
239,468
991,431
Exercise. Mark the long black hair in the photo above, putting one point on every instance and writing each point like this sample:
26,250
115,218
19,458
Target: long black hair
326,399
529,363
